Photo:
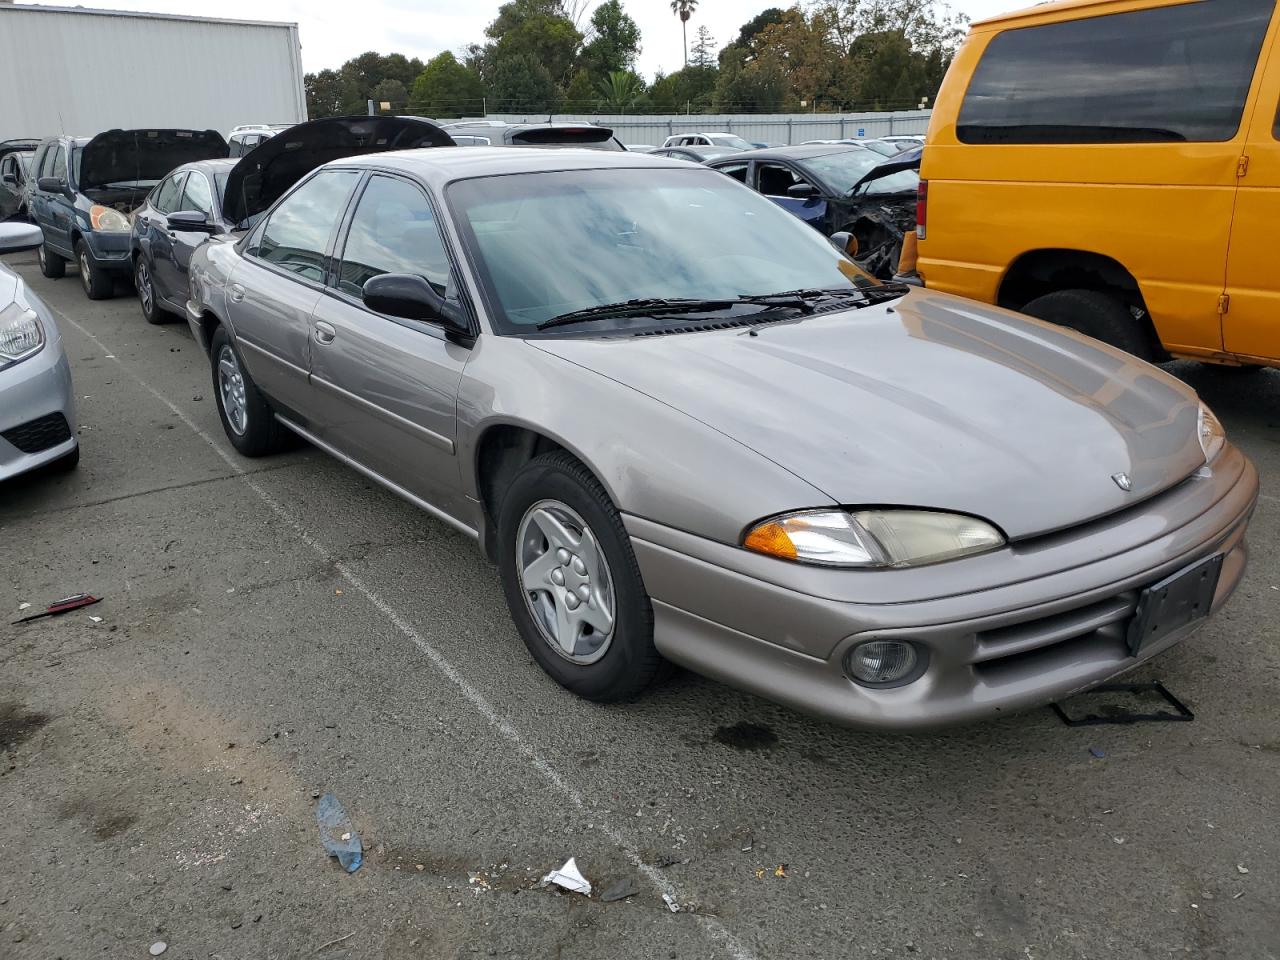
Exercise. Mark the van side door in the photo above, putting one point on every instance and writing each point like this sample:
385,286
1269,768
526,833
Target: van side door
1251,306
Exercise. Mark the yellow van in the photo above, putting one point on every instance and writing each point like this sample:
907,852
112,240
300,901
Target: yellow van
1114,166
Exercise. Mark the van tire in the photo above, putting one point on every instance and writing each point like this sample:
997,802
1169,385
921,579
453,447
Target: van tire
1096,314
97,283
51,265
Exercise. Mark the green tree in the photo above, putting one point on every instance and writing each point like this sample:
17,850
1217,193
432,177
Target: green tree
534,29
684,10
580,96
747,32
614,43
521,84
326,93
621,90
758,86
445,88
704,50
393,92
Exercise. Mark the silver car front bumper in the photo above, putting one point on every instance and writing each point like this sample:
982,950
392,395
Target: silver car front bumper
37,410
1014,629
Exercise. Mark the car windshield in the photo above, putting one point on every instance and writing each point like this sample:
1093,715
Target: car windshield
729,140
547,244
843,170
24,161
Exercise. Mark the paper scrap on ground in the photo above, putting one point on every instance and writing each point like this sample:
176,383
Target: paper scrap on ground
569,877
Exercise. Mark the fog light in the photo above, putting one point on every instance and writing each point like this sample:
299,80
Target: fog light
883,663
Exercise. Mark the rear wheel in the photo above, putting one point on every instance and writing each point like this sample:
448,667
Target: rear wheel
1096,314
246,415
147,299
51,265
97,283
572,582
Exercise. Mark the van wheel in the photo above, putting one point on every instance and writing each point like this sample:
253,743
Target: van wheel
51,265
98,284
572,582
1095,314
247,417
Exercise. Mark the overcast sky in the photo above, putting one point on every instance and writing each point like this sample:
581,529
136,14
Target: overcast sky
334,31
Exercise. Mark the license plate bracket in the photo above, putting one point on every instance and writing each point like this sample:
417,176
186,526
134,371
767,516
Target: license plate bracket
1177,600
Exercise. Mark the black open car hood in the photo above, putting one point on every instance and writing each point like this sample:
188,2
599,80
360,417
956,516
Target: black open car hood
907,160
269,169
131,156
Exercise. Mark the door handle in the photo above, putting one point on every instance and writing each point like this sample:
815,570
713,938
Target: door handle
237,293
325,332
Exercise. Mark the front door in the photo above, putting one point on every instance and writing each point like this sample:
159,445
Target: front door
386,389
158,238
1251,321
59,204
196,195
275,286
10,188
775,179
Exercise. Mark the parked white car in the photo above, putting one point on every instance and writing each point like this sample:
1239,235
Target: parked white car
708,140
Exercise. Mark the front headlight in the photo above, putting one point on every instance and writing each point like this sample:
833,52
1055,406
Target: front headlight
872,538
1212,436
20,334
106,220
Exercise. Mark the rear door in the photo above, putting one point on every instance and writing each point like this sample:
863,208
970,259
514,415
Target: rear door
386,389
1251,319
276,284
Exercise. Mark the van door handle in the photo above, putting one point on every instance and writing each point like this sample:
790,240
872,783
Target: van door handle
325,332
237,293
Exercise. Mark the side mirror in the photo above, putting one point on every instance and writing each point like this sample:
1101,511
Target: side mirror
190,221
11,178
19,236
52,184
802,191
845,242
411,297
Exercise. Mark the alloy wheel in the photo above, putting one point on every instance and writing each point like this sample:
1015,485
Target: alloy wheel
566,581
84,270
231,388
142,278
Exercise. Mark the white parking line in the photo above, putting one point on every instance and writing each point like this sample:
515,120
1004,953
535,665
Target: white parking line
712,926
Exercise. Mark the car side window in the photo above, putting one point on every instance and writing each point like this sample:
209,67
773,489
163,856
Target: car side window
166,195
197,195
8,167
738,171
59,163
393,231
296,234
773,179
45,167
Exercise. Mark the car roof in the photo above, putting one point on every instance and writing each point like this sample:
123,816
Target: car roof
441,165
216,165
798,152
1055,10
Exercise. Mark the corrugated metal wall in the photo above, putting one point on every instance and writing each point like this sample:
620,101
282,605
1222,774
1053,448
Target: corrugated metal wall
781,128
82,72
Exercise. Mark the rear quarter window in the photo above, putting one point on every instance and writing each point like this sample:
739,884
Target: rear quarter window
1168,74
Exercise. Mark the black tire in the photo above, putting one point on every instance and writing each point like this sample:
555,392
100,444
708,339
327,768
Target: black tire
262,433
1096,314
145,284
51,265
631,662
97,283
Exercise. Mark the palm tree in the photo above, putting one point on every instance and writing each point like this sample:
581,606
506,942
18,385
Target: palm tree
684,10
621,89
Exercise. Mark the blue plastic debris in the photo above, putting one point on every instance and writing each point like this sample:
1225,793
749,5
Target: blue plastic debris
337,834
1098,752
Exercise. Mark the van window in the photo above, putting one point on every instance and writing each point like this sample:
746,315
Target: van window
1178,73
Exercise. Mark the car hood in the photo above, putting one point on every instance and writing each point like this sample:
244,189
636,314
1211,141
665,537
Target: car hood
264,173
931,402
126,156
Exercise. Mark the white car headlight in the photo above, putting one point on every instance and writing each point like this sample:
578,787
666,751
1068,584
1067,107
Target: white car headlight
107,220
20,334
1212,436
872,538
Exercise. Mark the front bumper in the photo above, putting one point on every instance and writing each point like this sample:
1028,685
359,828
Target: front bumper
1018,628
33,393
110,251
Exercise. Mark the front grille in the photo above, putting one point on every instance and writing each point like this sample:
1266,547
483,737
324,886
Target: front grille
39,434
1094,626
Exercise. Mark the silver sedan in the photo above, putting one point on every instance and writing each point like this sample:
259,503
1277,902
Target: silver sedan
687,428
37,407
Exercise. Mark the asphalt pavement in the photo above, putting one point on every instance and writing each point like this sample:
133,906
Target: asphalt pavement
275,629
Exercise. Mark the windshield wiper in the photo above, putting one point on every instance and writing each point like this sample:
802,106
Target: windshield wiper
644,307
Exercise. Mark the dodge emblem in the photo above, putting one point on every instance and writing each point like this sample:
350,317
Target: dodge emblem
1122,481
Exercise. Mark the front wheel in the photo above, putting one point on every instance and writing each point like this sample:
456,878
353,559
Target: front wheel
246,415
51,265
572,582
147,297
97,283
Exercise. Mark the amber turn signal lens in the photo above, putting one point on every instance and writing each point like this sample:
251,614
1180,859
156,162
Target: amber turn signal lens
770,538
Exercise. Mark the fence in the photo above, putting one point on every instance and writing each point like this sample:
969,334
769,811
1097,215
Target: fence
778,128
